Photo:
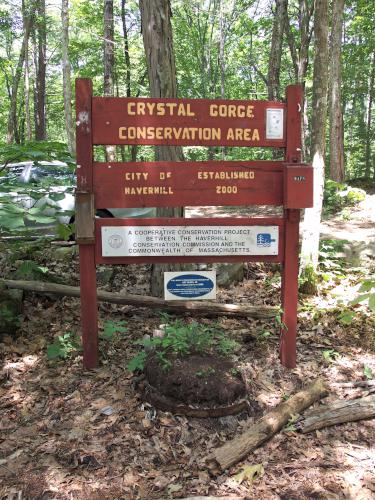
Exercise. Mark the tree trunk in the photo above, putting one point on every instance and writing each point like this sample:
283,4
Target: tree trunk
67,87
311,223
27,80
158,44
12,134
222,60
274,62
109,62
306,10
238,448
126,48
336,142
370,99
300,59
133,147
40,125
338,413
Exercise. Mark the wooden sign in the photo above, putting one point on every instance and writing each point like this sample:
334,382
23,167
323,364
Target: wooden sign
227,239
159,184
188,122
191,122
182,241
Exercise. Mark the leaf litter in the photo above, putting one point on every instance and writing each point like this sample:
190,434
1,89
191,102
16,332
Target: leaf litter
67,433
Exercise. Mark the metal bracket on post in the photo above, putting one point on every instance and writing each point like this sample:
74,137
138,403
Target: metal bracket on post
85,218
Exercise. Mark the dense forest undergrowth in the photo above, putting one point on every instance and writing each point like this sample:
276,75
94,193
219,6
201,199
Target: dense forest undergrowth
67,433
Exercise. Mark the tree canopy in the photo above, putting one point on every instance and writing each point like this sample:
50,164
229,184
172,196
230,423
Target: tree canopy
222,49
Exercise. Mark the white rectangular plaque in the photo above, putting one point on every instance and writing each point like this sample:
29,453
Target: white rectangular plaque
275,123
170,241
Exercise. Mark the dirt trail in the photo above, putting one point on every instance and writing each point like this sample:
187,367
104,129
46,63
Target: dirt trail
358,226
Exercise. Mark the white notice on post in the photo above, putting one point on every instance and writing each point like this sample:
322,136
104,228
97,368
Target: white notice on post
171,241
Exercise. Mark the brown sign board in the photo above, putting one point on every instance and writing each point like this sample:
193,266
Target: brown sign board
188,122
159,184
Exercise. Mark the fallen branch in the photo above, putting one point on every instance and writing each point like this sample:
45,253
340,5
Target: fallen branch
354,383
203,308
235,450
338,413
25,237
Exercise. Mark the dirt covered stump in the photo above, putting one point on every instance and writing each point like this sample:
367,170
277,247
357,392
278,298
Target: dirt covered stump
196,379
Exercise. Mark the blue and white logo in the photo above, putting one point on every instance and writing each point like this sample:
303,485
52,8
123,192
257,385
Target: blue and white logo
264,240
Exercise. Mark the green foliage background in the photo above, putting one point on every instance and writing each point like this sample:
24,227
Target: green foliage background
247,34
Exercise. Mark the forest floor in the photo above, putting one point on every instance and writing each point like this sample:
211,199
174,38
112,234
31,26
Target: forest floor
66,433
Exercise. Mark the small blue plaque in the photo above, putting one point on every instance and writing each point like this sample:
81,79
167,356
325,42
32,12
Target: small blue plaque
190,286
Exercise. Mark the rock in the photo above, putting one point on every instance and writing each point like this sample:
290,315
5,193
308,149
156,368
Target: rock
10,310
359,253
226,274
64,254
104,275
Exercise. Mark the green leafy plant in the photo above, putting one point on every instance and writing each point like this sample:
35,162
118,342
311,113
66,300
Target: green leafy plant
345,214
31,270
206,372
331,257
8,317
346,317
163,361
264,334
64,346
234,372
291,425
66,231
249,473
226,346
308,281
338,195
330,355
35,151
367,293
367,372
137,363
181,339
279,320
111,329
273,281
27,204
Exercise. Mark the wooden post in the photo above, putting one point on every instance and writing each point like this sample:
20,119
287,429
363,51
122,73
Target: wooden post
85,223
289,286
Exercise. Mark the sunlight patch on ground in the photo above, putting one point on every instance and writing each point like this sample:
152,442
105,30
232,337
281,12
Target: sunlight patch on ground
27,362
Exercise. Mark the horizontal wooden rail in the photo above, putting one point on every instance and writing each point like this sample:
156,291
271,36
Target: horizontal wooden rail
206,309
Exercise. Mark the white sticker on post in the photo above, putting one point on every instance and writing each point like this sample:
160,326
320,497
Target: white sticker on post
275,123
